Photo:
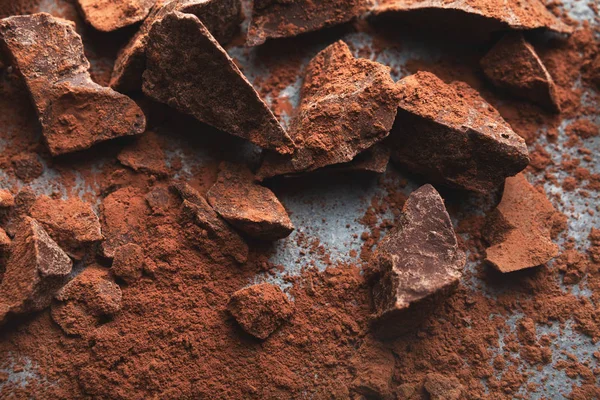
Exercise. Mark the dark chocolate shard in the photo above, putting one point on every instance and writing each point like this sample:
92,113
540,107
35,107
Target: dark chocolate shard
286,18
204,227
347,105
75,113
417,263
221,17
188,70
513,65
519,229
110,15
251,208
449,134
499,14
35,270
260,309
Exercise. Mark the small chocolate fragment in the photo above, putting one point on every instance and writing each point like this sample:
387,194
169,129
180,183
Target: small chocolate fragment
75,113
188,70
440,387
158,200
146,154
513,65
221,17
85,302
72,223
347,105
374,366
128,262
519,229
449,134
6,199
417,263
374,159
252,208
5,243
287,18
203,226
260,309
36,269
110,15
27,166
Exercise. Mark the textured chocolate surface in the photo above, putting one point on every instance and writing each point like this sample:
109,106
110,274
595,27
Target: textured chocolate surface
110,15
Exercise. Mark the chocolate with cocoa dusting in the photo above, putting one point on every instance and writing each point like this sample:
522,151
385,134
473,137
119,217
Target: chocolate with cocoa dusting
128,262
513,65
188,70
110,15
347,105
145,154
519,229
417,263
449,134
374,366
251,208
286,18
75,113
6,199
35,270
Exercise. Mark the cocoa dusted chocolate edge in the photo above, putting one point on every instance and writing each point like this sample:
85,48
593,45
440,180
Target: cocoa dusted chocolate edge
416,265
188,70
111,15
75,112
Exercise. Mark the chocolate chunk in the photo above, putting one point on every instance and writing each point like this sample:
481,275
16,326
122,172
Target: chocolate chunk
417,263
86,301
374,368
158,200
497,14
128,262
519,229
188,70
252,208
72,223
27,166
513,65
36,269
6,199
146,154
75,113
440,387
5,243
286,18
110,15
374,159
347,105
260,309
204,227
451,135
221,18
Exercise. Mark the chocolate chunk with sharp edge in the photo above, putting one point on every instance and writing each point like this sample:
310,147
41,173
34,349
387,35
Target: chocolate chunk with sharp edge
72,223
145,154
496,14
417,264
35,270
110,15
449,134
75,113
519,229
205,228
221,17
374,159
347,105
188,70
251,208
128,262
260,309
286,18
513,65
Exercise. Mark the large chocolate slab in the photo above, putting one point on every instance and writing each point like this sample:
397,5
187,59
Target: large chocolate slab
75,113
110,15
188,70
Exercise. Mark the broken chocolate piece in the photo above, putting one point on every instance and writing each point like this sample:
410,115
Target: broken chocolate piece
27,166
497,14
5,243
6,199
513,65
72,223
449,134
260,309
36,269
188,70
128,262
203,226
287,18
374,159
145,155
75,113
85,302
221,18
519,229
347,105
374,366
252,208
417,263
110,15
440,387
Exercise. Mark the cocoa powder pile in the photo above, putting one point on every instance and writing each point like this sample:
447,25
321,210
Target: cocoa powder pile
146,256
